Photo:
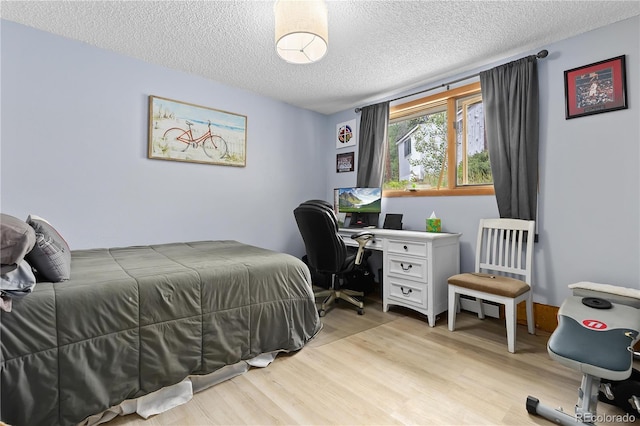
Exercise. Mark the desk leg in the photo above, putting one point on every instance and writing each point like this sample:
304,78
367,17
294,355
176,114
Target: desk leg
432,320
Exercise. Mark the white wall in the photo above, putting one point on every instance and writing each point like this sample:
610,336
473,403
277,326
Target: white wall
590,183
74,150
74,141
589,208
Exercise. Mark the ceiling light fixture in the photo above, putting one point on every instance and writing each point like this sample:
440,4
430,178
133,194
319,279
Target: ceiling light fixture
301,30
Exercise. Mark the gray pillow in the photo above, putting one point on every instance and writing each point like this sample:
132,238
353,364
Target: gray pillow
16,240
51,256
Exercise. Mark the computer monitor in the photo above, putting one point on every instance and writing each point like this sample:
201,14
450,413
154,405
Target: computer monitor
362,204
359,200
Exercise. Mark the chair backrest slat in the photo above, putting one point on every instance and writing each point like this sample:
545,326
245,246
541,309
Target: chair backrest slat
519,250
506,245
511,246
501,243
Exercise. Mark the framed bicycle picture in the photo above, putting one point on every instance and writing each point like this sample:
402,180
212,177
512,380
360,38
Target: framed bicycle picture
596,88
181,131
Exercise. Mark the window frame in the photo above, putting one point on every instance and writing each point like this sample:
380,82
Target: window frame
411,108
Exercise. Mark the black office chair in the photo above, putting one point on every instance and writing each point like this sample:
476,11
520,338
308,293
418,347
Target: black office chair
327,252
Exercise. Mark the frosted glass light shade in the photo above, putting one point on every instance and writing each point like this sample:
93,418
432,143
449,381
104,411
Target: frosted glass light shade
301,30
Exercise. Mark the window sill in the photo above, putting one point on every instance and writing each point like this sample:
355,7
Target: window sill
475,190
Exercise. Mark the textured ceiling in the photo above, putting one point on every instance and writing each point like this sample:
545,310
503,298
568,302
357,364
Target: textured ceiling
376,48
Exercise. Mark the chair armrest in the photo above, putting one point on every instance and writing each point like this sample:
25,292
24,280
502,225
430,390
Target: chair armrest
362,234
362,238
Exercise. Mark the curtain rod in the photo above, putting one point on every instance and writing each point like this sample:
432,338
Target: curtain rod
541,54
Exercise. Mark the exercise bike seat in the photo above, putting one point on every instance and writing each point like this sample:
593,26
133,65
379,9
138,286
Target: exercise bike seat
596,337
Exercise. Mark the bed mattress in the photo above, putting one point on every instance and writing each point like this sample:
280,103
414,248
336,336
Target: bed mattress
133,320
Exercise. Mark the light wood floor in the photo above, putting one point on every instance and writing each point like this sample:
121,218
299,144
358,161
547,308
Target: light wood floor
390,369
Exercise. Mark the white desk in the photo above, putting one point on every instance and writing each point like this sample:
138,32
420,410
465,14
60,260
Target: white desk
415,267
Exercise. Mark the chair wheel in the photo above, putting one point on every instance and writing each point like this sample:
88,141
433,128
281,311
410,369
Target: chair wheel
360,311
321,312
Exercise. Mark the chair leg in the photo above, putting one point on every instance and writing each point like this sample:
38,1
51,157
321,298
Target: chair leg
510,319
329,294
322,293
353,292
328,301
453,304
347,295
530,321
480,303
335,293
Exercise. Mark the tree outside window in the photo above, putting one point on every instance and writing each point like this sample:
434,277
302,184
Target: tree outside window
437,146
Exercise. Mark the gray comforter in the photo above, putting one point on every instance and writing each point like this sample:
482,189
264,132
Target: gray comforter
133,320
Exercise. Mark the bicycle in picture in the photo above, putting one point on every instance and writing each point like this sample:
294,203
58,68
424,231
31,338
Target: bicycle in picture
177,139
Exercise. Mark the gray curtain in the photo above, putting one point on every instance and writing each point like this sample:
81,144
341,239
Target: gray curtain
510,98
372,145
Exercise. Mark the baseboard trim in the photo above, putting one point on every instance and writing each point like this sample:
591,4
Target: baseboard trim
544,316
490,310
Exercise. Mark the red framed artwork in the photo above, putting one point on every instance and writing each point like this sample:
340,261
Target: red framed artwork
595,88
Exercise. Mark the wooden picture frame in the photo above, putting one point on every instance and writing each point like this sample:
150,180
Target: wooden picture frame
180,131
596,88
345,162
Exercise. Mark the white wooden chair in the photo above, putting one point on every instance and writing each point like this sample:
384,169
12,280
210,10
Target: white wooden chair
503,272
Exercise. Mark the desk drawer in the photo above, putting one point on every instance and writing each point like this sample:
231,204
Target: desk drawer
408,293
407,267
415,248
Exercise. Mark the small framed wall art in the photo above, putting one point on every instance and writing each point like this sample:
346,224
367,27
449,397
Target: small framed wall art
181,131
596,88
346,134
344,162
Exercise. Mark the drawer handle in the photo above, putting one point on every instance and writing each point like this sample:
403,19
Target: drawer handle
406,292
406,248
407,268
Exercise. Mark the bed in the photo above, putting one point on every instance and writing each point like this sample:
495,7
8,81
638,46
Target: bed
133,321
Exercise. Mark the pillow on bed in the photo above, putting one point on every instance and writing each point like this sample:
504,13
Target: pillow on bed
19,282
17,239
51,256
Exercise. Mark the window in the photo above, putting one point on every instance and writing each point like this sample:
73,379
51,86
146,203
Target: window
407,147
437,146
472,153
